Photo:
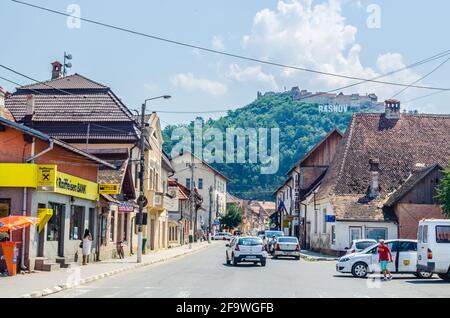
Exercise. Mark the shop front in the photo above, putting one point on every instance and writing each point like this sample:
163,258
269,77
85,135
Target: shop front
65,204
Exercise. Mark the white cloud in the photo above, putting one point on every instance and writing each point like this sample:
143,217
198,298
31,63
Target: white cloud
151,87
316,36
252,74
190,83
217,43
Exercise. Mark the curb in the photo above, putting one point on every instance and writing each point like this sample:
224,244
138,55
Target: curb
59,288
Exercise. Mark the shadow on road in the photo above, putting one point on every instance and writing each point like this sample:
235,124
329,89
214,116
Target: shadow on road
242,265
432,281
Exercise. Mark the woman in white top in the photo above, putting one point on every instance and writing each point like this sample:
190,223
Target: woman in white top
87,245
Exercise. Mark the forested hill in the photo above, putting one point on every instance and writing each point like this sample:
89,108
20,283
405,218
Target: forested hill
301,127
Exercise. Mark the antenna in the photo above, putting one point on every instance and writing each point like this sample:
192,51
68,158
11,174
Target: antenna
68,64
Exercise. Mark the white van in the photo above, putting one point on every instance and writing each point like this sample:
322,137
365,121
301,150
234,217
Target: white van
433,249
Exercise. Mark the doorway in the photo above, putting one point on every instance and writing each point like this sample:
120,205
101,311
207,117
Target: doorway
56,226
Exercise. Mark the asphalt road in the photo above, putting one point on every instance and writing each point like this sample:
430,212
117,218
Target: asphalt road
205,274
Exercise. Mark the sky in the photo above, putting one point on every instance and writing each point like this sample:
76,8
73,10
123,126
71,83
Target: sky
350,37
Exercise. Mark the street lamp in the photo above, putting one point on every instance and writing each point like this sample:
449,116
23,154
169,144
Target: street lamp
142,200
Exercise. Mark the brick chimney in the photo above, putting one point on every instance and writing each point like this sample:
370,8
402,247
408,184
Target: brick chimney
374,187
392,109
29,111
56,70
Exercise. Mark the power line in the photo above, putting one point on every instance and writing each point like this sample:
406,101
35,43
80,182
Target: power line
418,63
192,46
423,77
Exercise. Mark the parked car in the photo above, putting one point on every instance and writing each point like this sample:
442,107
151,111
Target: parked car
360,245
434,247
404,254
287,246
269,242
246,249
225,236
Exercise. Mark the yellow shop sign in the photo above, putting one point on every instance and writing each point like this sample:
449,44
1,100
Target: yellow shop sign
44,215
17,175
77,187
108,188
46,178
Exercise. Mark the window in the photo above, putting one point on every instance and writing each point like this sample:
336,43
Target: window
5,207
425,234
200,183
188,183
355,233
376,234
442,234
54,224
324,221
76,222
157,182
407,246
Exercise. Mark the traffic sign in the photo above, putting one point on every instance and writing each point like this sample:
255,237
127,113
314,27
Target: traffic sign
142,199
108,188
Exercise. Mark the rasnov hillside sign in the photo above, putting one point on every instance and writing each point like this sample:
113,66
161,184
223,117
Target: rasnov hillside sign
333,108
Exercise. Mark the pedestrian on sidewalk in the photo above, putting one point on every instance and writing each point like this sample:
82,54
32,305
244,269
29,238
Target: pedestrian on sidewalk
86,245
384,257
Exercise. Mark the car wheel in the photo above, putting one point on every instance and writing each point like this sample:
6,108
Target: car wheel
263,262
423,275
234,261
360,270
445,277
297,258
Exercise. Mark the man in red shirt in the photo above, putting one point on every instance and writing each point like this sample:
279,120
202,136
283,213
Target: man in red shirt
384,257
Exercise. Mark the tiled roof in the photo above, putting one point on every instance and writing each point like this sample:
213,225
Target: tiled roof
64,106
75,81
398,145
109,176
75,131
350,208
99,107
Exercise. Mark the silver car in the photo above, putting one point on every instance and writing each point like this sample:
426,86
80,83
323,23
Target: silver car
287,246
246,249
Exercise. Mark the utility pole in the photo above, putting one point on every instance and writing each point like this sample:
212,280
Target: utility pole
142,200
210,213
141,185
192,200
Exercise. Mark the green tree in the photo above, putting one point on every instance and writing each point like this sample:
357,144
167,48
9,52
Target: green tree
443,192
232,218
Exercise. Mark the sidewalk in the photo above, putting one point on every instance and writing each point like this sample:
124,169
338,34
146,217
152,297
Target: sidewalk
313,256
39,284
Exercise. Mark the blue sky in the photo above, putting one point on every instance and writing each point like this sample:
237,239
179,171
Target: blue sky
329,35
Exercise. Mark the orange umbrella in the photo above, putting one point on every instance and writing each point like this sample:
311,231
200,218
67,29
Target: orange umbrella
13,222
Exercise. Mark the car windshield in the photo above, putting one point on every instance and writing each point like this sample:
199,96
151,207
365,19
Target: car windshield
287,240
250,241
364,245
274,233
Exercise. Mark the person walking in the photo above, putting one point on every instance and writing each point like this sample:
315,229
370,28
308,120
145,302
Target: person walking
86,246
384,257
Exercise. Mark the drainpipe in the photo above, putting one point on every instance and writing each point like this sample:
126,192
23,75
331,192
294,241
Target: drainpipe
34,157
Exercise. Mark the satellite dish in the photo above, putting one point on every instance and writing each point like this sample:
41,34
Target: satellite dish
69,65
69,56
